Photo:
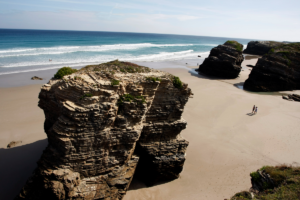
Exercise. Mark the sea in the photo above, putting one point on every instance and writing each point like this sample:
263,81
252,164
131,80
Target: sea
35,50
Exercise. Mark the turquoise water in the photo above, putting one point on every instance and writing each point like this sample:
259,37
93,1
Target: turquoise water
30,50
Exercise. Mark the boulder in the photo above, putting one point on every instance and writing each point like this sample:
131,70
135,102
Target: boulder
99,131
224,61
36,78
260,47
279,70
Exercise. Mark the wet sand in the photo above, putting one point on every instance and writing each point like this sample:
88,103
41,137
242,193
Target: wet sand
226,141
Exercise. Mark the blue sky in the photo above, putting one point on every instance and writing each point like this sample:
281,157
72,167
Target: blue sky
263,19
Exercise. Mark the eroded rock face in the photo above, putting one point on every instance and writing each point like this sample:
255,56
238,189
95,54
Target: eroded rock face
260,47
96,139
276,71
224,61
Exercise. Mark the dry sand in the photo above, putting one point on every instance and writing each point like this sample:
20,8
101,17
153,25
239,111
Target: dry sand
226,142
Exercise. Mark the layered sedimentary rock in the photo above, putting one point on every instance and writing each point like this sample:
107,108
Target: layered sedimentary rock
260,47
224,61
100,121
292,97
278,70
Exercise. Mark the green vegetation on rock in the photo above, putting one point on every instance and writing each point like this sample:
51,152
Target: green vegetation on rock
234,44
255,176
116,66
115,82
129,98
242,195
285,184
177,82
153,79
64,71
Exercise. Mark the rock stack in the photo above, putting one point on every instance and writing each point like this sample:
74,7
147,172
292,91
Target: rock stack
260,47
278,70
224,61
101,122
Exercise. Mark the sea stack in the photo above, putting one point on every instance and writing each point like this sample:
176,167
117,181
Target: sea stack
260,47
103,120
278,70
224,61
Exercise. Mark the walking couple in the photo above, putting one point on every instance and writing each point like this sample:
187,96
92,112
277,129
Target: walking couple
254,110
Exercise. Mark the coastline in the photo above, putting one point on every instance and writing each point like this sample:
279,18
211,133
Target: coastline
226,144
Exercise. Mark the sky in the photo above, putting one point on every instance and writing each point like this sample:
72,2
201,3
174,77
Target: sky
256,19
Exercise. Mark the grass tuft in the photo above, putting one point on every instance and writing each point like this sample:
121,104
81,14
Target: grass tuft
64,71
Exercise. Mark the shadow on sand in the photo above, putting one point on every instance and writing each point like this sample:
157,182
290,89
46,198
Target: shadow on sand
250,114
137,184
17,165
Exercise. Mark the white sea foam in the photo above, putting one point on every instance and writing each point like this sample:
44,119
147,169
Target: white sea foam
101,59
71,49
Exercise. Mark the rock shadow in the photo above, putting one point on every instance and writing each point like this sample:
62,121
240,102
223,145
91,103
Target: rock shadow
17,165
138,183
205,76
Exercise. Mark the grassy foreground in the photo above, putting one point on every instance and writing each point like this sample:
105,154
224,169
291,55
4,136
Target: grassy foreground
273,183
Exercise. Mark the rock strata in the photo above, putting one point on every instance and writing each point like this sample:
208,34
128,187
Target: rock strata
278,70
260,47
224,61
101,122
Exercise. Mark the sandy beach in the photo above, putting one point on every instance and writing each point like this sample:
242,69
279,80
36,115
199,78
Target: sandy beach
227,142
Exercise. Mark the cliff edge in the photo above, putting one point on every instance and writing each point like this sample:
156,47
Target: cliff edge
103,120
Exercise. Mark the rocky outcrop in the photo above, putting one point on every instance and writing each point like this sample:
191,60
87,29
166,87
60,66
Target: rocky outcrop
272,182
224,61
36,78
260,47
101,122
13,144
278,70
292,97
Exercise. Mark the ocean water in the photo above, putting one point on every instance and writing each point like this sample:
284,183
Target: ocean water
30,50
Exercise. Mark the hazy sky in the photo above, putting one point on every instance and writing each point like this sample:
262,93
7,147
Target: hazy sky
263,19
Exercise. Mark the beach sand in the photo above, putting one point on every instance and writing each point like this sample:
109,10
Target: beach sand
226,141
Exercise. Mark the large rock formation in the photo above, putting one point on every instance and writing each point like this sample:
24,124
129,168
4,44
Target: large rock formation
260,47
224,61
278,70
100,121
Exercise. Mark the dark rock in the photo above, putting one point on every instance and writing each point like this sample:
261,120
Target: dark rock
36,78
260,47
224,61
250,66
292,97
13,144
285,97
276,71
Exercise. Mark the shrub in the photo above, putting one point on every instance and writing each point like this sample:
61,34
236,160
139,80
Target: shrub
242,195
64,71
255,176
153,79
234,44
115,82
177,82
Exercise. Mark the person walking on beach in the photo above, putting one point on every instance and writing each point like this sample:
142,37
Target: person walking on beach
253,109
